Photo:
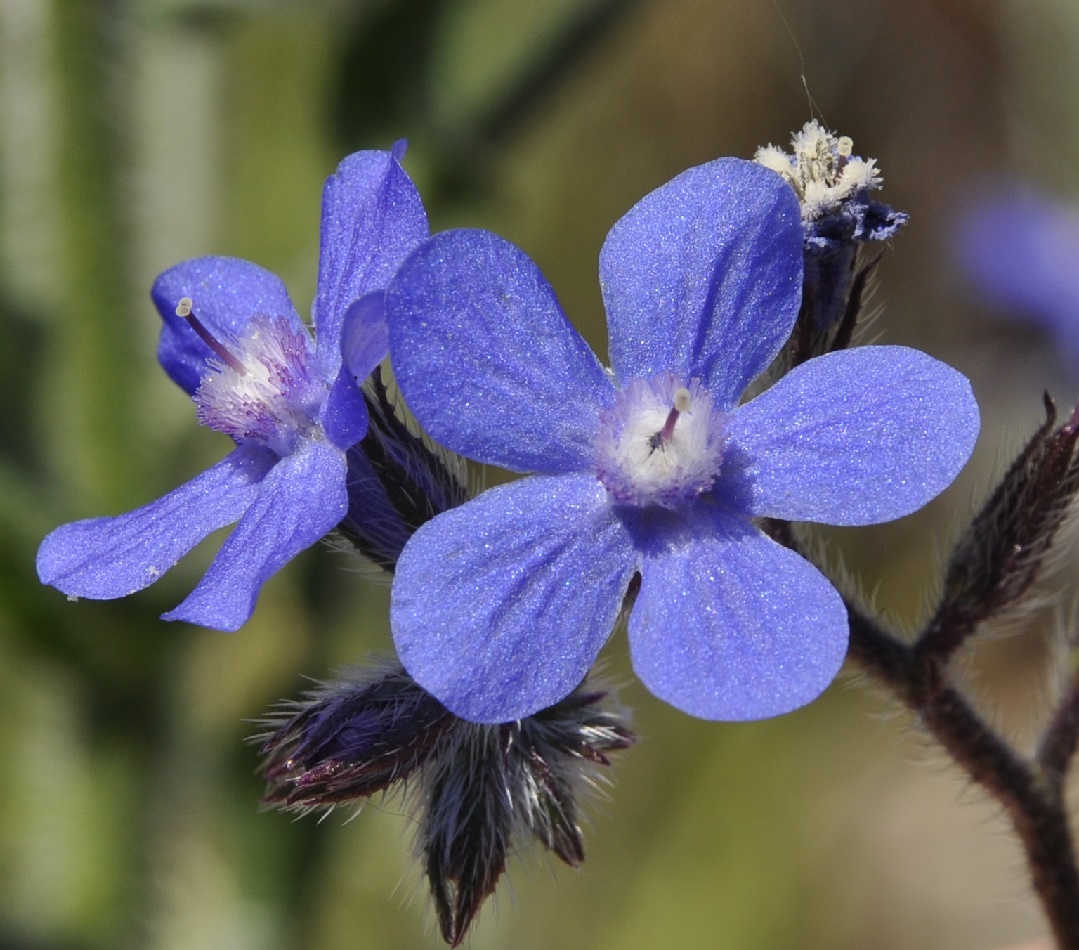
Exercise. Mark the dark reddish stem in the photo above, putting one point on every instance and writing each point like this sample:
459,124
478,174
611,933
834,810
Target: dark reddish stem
1030,790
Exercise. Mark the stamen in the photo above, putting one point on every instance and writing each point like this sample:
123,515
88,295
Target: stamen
682,399
185,310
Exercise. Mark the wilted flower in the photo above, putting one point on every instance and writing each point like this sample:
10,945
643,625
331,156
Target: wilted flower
838,219
501,605
232,339
477,791
833,186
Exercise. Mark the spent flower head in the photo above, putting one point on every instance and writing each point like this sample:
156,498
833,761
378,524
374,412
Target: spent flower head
833,186
501,605
839,220
292,405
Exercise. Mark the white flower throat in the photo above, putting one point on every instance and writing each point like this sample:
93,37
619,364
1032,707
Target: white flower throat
262,388
660,444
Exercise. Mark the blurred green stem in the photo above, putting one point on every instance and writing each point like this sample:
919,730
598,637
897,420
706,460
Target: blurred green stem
92,395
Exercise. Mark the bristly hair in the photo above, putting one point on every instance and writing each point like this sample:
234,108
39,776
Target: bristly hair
1003,551
398,479
477,791
349,739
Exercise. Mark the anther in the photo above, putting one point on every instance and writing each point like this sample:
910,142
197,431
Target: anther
185,309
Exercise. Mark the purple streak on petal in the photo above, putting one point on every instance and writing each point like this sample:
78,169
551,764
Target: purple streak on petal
298,503
1019,252
226,293
855,437
731,626
703,277
372,217
500,607
487,360
103,558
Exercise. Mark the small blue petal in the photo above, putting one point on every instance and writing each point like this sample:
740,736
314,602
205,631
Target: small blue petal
703,278
731,626
854,437
364,344
365,339
300,501
487,360
500,607
103,558
226,293
344,416
372,217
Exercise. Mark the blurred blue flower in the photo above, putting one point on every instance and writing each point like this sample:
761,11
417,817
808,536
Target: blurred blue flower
1020,253
501,605
233,340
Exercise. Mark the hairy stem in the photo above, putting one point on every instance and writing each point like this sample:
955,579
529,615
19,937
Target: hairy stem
1030,790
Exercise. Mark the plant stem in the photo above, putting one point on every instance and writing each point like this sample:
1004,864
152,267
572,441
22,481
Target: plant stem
1031,792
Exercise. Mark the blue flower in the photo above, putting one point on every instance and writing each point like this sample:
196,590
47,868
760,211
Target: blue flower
1020,251
500,606
233,340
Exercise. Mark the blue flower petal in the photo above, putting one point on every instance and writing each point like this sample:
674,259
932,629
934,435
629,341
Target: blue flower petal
703,277
301,500
731,626
500,607
344,417
103,558
1019,251
364,344
365,340
855,437
372,217
226,293
488,361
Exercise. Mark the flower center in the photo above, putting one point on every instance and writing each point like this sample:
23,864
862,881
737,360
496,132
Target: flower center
260,388
660,444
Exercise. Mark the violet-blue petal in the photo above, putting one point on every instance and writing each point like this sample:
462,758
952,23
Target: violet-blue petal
1019,251
226,293
731,626
372,217
854,437
500,606
487,360
703,277
344,417
365,340
299,502
103,558
364,344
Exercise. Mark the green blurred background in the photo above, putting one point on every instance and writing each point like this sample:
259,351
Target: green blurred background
136,134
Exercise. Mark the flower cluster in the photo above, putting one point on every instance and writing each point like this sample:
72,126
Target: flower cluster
647,482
